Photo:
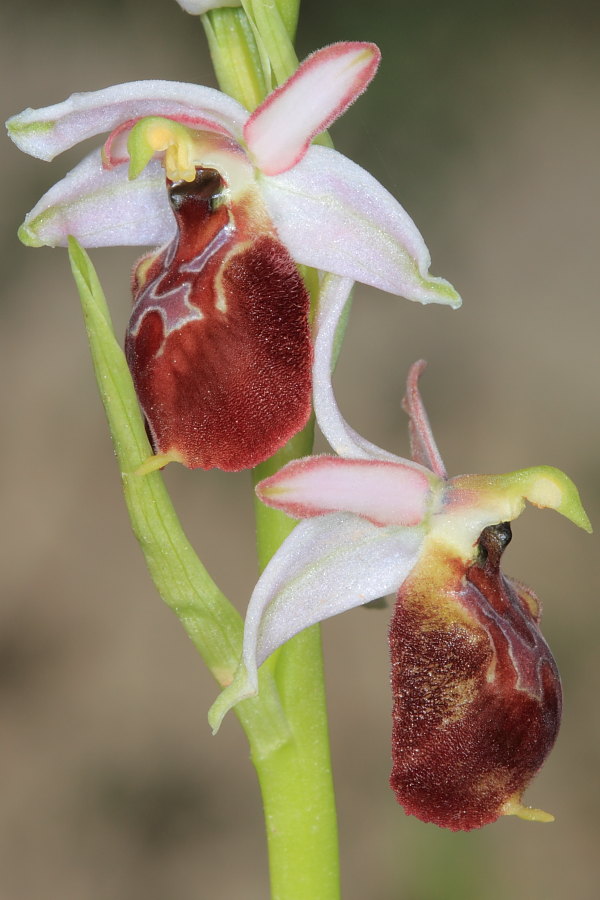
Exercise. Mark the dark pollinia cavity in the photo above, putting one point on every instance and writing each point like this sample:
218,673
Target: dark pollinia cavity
477,697
218,342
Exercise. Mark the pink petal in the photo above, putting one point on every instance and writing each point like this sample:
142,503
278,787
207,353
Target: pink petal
422,443
326,566
46,132
335,216
385,493
279,132
102,208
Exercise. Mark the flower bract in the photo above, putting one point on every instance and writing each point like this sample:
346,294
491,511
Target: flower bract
476,691
219,343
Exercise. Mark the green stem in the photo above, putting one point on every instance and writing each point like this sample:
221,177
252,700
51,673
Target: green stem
251,48
273,36
235,55
296,780
272,525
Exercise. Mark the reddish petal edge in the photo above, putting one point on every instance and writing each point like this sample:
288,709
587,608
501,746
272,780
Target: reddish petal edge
363,78
422,443
383,493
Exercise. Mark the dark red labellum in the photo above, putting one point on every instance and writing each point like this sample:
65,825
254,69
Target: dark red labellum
477,696
218,342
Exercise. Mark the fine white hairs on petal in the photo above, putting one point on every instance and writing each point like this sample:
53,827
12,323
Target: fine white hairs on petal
334,216
333,297
279,131
102,208
326,566
47,132
381,491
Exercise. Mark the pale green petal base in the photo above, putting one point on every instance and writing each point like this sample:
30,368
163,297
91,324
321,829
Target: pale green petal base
240,689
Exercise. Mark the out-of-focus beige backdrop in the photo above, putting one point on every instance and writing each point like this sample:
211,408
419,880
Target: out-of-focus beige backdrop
483,120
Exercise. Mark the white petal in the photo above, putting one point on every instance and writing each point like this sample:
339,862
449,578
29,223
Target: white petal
46,132
198,7
334,216
326,566
342,438
385,493
279,132
102,208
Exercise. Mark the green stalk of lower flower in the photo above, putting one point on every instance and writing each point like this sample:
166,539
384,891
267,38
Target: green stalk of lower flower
296,779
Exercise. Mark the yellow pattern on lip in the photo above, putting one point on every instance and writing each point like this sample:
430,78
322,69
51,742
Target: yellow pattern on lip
514,807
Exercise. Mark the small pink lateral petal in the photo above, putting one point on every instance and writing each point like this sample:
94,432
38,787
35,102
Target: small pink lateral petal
384,493
279,132
422,443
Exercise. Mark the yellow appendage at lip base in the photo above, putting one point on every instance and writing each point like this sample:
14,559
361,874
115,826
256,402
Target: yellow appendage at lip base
157,461
514,807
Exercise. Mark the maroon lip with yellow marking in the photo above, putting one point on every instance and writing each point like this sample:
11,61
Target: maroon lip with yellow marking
476,692
219,342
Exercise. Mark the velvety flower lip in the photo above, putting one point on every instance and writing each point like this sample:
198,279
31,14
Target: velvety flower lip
329,213
364,530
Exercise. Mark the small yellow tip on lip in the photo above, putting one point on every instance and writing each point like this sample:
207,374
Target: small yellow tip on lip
514,807
156,462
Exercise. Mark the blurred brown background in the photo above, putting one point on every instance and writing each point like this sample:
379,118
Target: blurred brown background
483,120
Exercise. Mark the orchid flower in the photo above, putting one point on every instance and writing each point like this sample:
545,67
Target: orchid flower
218,343
476,690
